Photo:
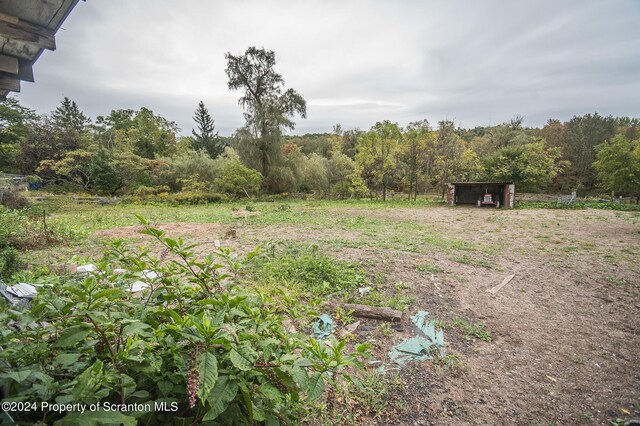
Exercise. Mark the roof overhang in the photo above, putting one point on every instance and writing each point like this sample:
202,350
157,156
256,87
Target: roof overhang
480,183
27,28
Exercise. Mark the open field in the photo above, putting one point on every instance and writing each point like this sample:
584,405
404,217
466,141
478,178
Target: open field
559,344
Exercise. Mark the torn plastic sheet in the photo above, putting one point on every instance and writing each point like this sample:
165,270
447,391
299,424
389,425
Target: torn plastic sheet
428,328
323,327
146,276
137,286
143,283
20,294
419,348
23,290
85,269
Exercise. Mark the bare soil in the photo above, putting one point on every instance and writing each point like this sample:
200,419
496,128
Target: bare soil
565,345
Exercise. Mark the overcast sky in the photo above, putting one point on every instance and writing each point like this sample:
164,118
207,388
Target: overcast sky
355,62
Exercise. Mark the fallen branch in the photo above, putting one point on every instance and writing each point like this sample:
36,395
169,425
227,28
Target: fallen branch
374,312
504,282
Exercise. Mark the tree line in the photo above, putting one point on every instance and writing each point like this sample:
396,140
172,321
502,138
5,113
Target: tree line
138,152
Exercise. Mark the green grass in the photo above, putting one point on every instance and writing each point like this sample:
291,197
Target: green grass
342,243
467,260
570,249
359,222
368,401
576,206
91,218
613,259
576,359
314,273
617,281
306,270
405,235
476,330
450,362
429,267
398,301
333,224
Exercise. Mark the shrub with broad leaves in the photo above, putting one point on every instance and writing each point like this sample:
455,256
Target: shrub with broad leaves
195,342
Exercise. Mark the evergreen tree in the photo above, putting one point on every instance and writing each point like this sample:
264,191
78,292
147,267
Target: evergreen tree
206,137
68,116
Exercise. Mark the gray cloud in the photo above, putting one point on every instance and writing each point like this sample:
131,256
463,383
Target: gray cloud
355,62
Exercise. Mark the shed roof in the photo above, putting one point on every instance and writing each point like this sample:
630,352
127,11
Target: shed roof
27,28
480,183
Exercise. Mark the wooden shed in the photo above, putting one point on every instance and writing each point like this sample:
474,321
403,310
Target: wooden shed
492,194
27,28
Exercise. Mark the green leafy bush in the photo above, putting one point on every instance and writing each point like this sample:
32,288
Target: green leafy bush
238,180
270,198
196,341
341,190
10,262
192,197
146,192
148,195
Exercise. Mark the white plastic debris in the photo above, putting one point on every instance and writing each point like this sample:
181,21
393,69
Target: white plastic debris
137,286
216,243
364,291
143,283
119,271
149,274
23,290
85,269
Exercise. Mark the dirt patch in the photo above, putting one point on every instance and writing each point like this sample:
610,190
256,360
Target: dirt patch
565,331
198,230
565,334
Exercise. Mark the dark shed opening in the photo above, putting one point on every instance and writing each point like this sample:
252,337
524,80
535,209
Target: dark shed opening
494,194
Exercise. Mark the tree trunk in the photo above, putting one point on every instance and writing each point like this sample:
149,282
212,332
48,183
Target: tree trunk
264,149
384,190
265,163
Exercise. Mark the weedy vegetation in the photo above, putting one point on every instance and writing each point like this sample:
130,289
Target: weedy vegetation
476,330
198,337
306,269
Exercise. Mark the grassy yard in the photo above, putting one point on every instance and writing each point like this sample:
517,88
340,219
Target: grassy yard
575,294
